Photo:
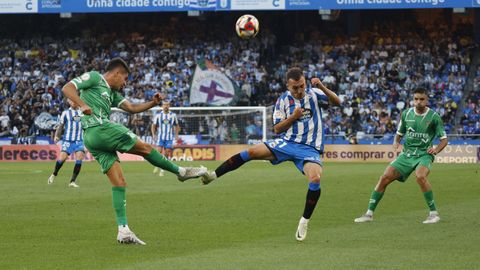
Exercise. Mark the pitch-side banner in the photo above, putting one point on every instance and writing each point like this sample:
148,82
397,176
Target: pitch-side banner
105,6
385,153
211,87
18,6
341,4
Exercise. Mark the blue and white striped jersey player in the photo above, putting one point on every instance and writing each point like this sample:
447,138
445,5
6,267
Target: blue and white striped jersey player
298,117
164,129
72,142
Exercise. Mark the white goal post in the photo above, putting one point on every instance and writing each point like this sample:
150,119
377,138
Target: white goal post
205,125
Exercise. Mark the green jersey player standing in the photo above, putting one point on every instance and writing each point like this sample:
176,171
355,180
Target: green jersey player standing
420,125
98,93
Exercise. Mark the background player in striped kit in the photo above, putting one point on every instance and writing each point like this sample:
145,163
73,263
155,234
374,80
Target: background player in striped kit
164,129
298,117
72,142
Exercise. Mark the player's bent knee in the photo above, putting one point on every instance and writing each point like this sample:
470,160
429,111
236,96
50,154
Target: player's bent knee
315,179
422,180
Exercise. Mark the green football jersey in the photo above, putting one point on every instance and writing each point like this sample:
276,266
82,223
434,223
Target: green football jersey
419,130
97,94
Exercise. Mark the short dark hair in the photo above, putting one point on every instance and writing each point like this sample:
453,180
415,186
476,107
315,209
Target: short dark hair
117,62
420,90
294,73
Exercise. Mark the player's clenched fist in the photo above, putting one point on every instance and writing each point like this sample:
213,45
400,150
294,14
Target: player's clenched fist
316,83
297,113
158,97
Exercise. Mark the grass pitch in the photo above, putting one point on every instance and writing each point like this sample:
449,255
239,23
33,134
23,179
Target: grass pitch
245,220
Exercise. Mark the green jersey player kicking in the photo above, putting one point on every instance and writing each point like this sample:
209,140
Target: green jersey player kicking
98,93
420,125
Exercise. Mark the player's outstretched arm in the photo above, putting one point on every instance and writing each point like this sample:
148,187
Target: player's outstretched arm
141,107
332,97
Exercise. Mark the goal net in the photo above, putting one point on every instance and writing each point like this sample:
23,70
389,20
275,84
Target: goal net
206,125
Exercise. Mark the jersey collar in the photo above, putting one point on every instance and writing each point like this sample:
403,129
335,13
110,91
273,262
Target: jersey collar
105,81
423,114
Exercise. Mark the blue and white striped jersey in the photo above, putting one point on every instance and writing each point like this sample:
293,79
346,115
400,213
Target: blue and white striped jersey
72,126
308,129
165,123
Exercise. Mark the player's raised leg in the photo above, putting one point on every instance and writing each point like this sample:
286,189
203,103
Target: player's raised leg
421,174
258,152
119,187
313,171
58,166
390,175
156,159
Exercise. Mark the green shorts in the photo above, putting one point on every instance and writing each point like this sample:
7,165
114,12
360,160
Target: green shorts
105,140
406,165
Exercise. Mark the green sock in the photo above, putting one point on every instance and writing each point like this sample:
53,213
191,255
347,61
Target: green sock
374,200
158,160
119,204
429,199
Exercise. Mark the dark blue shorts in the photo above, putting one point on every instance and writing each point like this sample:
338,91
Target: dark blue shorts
72,147
290,151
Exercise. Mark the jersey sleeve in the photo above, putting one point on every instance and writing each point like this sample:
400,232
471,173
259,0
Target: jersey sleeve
63,118
174,119
320,95
155,119
439,129
87,80
118,99
402,128
279,113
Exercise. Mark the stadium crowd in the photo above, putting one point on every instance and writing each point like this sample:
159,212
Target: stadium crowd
373,72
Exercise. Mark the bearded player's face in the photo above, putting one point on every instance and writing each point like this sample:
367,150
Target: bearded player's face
420,101
297,87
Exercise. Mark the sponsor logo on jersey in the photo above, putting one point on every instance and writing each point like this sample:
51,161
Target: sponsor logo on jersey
306,115
417,135
85,77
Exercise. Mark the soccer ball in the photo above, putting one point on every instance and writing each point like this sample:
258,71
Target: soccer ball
247,26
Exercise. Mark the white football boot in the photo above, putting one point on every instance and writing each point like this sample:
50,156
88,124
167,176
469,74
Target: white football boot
433,217
125,236
73,185
51,179
208,177
191,172
302,229
364,218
